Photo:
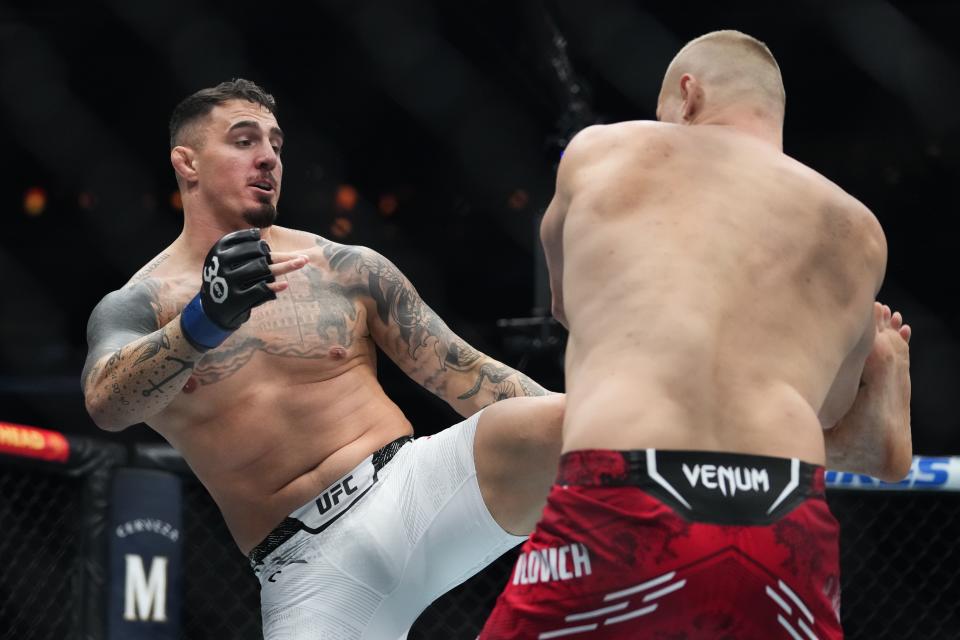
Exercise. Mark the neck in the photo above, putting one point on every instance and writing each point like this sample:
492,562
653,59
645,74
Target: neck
202,227
752,123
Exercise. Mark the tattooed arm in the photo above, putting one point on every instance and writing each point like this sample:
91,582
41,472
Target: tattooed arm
420,343
134,367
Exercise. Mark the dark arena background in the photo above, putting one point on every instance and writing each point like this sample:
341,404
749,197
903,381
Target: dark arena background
430,131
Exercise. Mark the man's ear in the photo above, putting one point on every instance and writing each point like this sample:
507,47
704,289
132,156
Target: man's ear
692,97
184,161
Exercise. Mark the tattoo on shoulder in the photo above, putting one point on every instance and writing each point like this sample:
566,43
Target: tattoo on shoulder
120,317
341,257
151,266
398,303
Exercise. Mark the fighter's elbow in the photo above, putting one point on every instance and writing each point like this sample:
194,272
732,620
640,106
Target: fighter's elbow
108,423
102,416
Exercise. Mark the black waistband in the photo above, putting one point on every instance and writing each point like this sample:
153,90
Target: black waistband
291,526
704,486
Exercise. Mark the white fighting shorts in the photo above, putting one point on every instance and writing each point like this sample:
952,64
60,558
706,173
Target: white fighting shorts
372,551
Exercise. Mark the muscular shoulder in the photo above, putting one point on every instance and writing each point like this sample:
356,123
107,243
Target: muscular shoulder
145,304
133,306
357,270
363,271
850,217
352,262
849,226
598,143
163,279
150,299
156,267
344,263
120,317
604,134
867,232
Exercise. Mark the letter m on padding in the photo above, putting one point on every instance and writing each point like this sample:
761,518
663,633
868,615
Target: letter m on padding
145,595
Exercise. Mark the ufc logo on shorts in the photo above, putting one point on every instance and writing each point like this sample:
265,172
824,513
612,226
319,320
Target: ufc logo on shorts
331,497
727,479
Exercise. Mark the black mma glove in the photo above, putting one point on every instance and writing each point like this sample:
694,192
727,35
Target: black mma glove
235,276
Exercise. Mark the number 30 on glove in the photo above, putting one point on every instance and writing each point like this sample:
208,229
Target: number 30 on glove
236,272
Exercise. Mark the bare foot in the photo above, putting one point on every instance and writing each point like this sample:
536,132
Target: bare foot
874,436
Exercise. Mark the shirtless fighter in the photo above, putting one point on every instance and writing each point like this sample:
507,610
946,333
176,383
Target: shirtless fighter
720,302
252,349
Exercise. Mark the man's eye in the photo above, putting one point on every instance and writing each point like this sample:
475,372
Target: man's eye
277,149
243,143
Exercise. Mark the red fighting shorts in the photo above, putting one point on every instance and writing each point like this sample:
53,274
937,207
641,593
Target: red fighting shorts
677,545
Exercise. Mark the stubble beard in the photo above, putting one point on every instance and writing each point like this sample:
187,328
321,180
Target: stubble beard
261,217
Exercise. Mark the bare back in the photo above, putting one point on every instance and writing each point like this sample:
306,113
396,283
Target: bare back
718,293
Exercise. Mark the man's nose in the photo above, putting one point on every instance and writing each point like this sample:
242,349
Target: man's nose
268,158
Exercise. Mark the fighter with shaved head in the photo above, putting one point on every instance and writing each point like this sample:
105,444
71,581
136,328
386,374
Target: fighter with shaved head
725,344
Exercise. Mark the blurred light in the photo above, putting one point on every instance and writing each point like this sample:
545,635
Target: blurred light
518,200
34,201
346,197
341,227
388,204
86,201
176,201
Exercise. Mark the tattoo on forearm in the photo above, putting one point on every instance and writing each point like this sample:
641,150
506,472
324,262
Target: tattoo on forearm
151,347
158,386
90,372
496,373
133,380
111,369
529,387
460,355
503,391
110,366
503,387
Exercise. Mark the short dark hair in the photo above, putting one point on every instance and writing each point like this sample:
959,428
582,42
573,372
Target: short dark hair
201,103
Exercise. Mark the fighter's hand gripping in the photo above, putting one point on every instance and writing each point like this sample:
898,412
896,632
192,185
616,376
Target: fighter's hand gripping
236,278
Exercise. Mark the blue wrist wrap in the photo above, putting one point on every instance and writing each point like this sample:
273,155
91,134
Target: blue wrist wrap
199,330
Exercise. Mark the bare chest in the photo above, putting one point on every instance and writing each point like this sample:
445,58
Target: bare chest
309,332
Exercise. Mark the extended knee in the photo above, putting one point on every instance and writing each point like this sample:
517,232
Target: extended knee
545,430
